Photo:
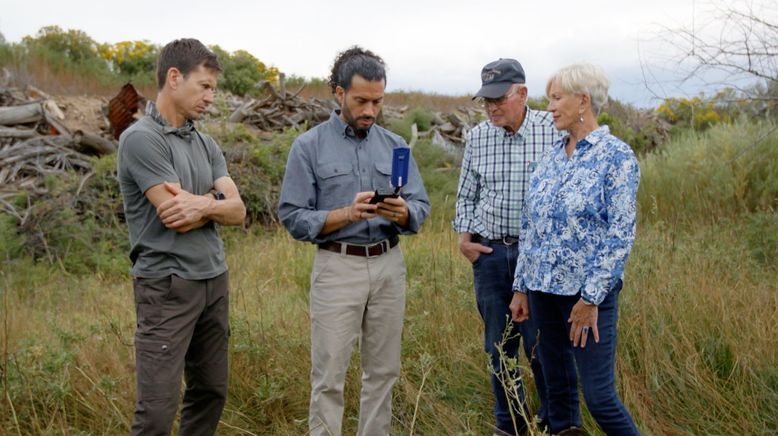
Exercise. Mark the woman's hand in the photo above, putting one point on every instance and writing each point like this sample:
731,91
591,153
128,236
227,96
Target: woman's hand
519,307
584,317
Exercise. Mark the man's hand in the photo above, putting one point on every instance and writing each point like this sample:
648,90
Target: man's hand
395,210
360,208
185,210
519,307
472,250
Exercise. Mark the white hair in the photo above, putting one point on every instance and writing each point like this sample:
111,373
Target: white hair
583,78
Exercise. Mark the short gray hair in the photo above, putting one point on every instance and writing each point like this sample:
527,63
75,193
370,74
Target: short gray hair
583,78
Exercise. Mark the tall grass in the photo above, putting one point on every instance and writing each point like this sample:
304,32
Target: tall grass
697,331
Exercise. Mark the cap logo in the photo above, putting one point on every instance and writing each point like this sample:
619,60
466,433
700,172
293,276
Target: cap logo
489,75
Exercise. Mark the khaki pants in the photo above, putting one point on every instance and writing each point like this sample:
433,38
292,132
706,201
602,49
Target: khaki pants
182,329
352,298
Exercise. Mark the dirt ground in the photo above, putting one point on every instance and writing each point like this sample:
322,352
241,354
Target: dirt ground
83,113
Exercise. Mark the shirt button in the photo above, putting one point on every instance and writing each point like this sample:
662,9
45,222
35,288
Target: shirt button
364,170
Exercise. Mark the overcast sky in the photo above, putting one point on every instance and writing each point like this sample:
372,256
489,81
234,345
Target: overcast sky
433,46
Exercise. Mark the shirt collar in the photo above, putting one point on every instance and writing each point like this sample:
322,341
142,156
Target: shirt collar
593,138
185,132
343,129
522,130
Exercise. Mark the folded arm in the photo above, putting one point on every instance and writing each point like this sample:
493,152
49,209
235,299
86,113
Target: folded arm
183,211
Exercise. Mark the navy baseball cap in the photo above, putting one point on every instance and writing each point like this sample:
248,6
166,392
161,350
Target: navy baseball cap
498,76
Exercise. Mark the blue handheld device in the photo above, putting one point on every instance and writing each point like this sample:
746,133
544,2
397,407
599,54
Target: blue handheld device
400,158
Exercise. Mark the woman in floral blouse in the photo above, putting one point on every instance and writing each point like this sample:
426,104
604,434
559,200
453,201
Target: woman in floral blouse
578,228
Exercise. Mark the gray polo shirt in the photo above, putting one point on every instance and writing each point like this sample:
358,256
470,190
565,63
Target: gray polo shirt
326,168
149,154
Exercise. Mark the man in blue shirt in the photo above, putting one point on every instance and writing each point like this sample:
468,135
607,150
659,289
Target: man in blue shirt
499,158
358,279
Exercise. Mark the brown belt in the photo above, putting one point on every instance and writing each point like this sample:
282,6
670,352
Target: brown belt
362,250
505,240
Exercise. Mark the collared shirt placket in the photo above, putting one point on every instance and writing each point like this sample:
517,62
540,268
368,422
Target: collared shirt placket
364,172
515,168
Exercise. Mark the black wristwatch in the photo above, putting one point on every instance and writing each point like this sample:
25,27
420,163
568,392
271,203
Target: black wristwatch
218,195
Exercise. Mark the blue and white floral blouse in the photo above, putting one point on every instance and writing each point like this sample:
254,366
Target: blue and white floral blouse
578,224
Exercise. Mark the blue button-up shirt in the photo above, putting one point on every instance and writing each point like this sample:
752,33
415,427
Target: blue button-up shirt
496,168
328,165
579,220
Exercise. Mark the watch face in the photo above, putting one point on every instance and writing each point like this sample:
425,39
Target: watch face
218,195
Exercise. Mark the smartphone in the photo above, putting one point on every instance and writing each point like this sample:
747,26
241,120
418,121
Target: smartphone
379,197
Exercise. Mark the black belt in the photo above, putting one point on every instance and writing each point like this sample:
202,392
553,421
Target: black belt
505,240
371,250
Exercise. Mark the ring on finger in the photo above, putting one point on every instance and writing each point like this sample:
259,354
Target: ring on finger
585,330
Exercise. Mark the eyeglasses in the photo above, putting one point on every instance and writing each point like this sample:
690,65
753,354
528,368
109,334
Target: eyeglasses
486,102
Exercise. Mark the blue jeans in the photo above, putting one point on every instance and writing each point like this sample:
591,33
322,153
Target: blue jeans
493,278
595,364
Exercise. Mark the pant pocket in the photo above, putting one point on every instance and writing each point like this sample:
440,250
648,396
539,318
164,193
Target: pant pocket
320,263
156,368
150,295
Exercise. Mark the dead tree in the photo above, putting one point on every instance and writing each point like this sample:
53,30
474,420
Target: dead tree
728,43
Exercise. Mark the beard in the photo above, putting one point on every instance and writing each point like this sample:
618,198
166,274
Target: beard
360,131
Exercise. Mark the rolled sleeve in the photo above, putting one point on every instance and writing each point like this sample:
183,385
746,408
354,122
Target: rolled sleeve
518,276
297,204
621,187
417,201
467,195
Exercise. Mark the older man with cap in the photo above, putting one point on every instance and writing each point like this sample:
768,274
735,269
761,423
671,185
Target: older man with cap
499,157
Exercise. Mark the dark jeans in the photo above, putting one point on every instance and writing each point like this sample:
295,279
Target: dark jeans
182,329
595,364
493,278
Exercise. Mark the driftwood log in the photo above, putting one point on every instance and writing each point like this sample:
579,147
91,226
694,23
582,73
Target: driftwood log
92,144
16,132
21,114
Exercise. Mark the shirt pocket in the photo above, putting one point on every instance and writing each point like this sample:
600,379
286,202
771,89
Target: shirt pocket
382,177
336,184
491,175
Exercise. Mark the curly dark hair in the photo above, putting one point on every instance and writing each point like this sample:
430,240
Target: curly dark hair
356,60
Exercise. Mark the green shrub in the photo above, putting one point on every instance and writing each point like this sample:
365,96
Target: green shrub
724,172
422,117
76,224
11,241
762,237
241,71
256,165
72,44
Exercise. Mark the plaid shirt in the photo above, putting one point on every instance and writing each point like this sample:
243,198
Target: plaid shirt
496,168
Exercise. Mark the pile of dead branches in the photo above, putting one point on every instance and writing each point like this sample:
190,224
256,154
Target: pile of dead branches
449,130
35,143
280,109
